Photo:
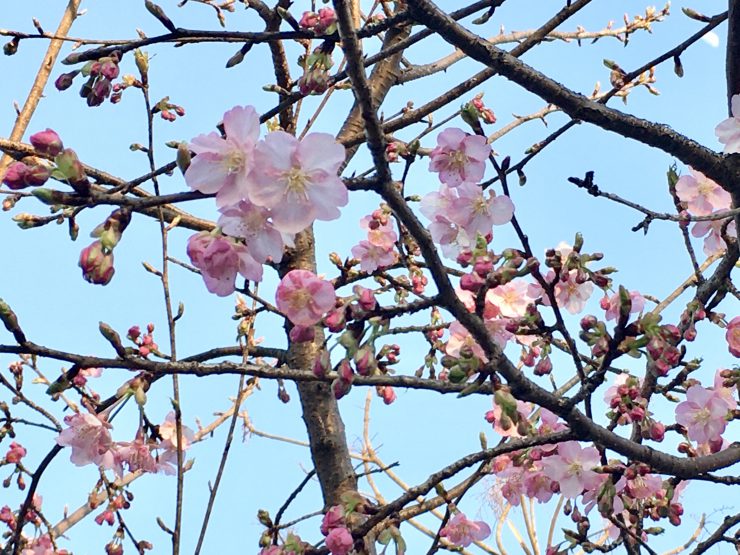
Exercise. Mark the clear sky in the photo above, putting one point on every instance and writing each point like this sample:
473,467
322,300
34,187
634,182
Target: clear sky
40,279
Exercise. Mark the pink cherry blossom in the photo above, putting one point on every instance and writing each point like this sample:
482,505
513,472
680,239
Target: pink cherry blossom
222,165
372,256
611,304
15,453
42,546
333,518
538,485
572,468
641,486
476,212
733,336
701,195
219,260
711,230
703,414
494,417
339,541
570,295
304,298
297,179
168,432
459,157
728,131
511,298
382,235
89,438
512,480
252,223
462,532
727,394
460,337
136,455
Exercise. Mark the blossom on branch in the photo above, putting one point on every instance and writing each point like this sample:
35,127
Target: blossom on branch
728,131
220,259
304,298
297,179
459,157
89,438
222,165
461,531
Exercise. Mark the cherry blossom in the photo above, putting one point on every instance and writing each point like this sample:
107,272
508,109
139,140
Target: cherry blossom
703,414
222,165
252,223
220,259
461,531
476,212
611,304
136,455
701,195
572,468
297,179
372,256
304,298
511,298
89,438
459,157
460,337
333,518
15,453
168,432
43,546
339,541
733,336
728,131
569,293
712,231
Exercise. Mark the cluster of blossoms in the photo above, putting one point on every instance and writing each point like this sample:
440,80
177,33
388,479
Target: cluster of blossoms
378,250
100,75
88,435
323,22
461,210
704,197
267,191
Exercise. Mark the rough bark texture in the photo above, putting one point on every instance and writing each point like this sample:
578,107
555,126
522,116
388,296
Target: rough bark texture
320,411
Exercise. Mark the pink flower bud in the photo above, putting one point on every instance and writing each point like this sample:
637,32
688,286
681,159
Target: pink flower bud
365,362
15,453
345,371
340,388
334,518
322,364
65,80
657,431
339,541
47,142
388,394
15,177
96,264
365,297
335,320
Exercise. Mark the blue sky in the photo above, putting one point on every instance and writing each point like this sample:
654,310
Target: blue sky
423,431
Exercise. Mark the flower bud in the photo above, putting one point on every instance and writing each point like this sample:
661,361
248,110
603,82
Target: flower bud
96,264
65,80
47,142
